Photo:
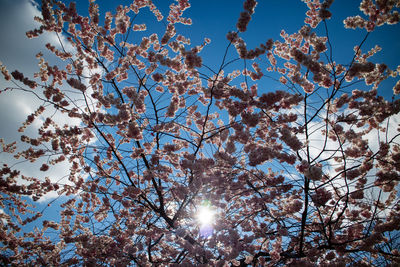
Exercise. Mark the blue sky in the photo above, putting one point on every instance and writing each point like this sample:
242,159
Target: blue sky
213,19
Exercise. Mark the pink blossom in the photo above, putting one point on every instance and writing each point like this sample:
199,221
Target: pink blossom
291,140
250,119
321,197
243,21
5,72
314,173
44,167
134,131
75,83
139,27
396,88
192,60
232,36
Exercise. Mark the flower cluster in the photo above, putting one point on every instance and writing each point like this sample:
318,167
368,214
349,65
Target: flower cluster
134,131
192,60
20,77
358,69
396,88
5,72
77,84
324,13
321,197
314,173
378,13
245,16
291,140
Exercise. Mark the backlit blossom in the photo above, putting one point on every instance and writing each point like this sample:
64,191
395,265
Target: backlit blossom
4,71
75,83
313,173
272,153
321,197
396,88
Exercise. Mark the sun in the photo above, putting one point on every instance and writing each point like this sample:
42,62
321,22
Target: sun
205,215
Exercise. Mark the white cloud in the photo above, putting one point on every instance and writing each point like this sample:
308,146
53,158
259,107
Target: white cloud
3,216
326,151
17,52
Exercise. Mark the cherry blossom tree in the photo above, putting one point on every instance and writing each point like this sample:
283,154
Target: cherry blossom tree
176,163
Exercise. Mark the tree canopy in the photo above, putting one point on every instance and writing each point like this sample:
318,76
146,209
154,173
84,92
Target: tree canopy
284,154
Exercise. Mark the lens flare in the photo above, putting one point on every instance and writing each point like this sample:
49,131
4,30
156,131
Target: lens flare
205,215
